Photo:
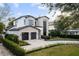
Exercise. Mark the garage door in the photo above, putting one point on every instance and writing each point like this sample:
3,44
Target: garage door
33,35
25,36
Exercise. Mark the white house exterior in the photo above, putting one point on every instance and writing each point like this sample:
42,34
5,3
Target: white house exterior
73,32
29,28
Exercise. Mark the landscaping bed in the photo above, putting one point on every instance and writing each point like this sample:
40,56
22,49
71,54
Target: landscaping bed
60,39
76,37
57,50
13,47
14,38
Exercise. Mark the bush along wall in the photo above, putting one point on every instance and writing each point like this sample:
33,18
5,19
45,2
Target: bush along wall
45,37
13,47
67,36
12,37
70,36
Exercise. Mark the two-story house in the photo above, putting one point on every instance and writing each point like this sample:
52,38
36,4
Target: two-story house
30,28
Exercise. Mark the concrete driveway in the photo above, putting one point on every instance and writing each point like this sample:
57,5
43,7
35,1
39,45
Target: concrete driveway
35,44
4,51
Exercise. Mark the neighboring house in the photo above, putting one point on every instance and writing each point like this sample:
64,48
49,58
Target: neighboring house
73,32
29,28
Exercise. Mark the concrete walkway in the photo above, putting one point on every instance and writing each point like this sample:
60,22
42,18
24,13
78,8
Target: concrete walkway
35,44
4,51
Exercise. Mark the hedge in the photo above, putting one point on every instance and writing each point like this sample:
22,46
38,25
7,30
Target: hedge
67,36
12,37
13,47
45,37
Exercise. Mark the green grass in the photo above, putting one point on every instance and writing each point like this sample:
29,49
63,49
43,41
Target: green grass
59,38
60,50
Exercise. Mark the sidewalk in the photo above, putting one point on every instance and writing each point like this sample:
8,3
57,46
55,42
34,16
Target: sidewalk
4,51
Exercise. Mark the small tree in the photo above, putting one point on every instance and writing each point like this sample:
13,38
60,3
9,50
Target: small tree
54,33
10,23
2,27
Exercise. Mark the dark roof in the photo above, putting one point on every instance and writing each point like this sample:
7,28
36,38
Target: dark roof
43,16
17,29
26,16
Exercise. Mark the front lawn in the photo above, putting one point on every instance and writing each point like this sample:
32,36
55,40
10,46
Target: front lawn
61,50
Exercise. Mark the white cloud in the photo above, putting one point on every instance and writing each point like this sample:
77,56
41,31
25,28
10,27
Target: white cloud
35,4
39,6
42,7
16,5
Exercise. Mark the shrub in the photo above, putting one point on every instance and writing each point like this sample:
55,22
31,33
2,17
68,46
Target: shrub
2,26
0,40
54,32
45,37
13,47
67,36
70,36
12,37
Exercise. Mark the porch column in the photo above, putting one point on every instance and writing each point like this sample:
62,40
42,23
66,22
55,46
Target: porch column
29,35
37,35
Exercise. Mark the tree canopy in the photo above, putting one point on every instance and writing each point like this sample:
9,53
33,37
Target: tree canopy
4,11
65,22
2,26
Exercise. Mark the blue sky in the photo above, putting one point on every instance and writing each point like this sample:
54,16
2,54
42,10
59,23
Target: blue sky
34,9
20,9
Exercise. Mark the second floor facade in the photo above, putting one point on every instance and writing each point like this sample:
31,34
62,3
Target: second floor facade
31,21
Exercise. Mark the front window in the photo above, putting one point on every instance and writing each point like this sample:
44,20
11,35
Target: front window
30,22
15,23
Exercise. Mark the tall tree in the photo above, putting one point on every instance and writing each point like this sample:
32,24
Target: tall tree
4,11
64,7
10,24
2,26
65,22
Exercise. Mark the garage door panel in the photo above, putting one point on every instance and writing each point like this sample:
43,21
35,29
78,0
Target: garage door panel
33,35
25,36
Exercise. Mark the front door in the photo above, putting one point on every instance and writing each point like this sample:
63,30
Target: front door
25,36
33,35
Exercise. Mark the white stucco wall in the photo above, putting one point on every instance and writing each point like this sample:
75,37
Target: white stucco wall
28,29
30,18
40,20
20,22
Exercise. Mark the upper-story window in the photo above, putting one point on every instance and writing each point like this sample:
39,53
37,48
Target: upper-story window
15,23
30,22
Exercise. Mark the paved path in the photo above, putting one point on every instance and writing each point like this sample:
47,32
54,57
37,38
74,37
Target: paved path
41,43
4,51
